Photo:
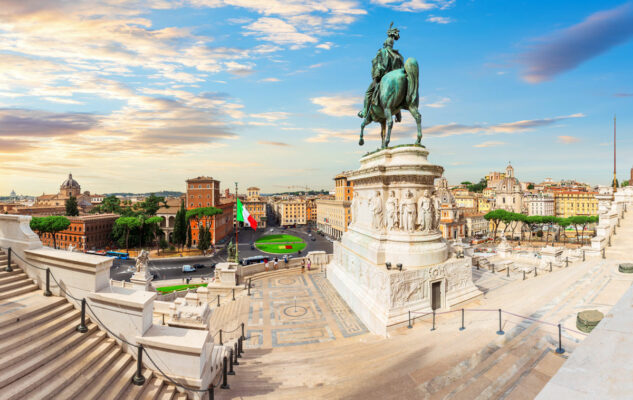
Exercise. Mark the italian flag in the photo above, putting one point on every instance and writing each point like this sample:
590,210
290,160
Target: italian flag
244,216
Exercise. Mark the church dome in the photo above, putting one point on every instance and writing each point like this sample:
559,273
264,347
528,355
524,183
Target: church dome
70,183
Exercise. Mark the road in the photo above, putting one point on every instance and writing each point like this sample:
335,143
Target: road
171,268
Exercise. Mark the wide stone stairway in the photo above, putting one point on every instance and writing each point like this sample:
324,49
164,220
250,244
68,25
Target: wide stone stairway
42,356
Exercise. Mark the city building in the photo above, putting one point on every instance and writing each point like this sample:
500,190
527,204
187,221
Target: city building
168,214
509,195
204,191
569,203
291,212
255,205
452,223
494,178
485,205
69,187
476,224
311,212
468,201
539,203
86,232
333,216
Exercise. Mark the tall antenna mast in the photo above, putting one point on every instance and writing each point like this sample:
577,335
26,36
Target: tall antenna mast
615,184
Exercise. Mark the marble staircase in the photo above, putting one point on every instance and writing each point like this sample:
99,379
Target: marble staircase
42,356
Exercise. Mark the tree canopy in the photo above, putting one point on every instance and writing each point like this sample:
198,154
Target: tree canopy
71,206
201,212
52,224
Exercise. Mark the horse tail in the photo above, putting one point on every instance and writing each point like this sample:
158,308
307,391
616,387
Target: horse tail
412,71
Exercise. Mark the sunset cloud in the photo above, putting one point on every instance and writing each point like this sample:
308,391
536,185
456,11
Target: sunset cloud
568,139
490,143
339,105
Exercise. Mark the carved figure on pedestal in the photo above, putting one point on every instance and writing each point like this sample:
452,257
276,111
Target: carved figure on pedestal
355,201
425,212
392,211
141,261
375,204
437,211
408,213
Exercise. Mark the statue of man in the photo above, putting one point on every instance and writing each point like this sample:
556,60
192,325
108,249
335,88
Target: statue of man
408,213
392,210
141,261
376,210
425,212
387,59
437,208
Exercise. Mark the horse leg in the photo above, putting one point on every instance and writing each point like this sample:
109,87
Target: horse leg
362,128
389,119
418,121
382,133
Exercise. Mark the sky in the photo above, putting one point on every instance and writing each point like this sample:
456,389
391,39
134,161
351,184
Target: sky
138,96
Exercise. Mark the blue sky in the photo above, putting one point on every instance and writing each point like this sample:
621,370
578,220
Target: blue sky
138,96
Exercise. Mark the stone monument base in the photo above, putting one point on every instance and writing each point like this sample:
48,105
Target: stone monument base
382,298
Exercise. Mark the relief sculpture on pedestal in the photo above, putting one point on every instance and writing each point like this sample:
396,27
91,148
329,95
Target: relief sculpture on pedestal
392,211
375,204
408,213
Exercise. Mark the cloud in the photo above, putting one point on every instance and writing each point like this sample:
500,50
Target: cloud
339,105
508,127
415,5
272,116
278,31
490,143
271,79
325,46
13,145
623,95
23,123
568,139
270,143
440,103
439,20
566,49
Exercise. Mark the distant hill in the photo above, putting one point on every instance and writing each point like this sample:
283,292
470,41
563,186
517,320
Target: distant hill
298,193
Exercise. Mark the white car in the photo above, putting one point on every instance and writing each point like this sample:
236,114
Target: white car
188,268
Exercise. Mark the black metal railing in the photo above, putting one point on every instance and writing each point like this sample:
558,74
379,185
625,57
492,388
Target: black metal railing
138,378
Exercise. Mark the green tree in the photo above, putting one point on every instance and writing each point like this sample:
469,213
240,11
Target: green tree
496,216
179,236
129,224
200,215
478,187
624,183
71,206
563,223
154,224
188,236
530,186
52,225
204,240
151,204
578,220
110,205
532,222
548,220
163,244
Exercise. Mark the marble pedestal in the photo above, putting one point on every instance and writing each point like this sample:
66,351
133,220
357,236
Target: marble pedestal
395,218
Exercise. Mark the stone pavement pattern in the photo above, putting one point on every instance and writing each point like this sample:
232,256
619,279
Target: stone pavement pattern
323,363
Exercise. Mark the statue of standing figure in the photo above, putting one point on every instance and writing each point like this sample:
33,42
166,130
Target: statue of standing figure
425,212
392,211
375,205
437,208
142,260
408,213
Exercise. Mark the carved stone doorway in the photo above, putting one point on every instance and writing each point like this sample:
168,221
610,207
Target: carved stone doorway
436,295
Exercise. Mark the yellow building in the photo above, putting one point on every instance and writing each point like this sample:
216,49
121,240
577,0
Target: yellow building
333,216
291,212
489,192
466,200
571,203
311,212
485,205
256,206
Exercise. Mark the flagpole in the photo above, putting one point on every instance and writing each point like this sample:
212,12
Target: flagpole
236,245
615,185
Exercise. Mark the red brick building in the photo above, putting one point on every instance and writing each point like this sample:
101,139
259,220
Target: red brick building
87,232
204,191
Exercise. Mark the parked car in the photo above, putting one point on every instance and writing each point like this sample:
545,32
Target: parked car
188,268
252,246
313,239
196,266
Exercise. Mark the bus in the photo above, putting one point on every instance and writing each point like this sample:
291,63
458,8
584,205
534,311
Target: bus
118,254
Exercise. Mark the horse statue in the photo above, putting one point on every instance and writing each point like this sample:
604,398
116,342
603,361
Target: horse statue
394,87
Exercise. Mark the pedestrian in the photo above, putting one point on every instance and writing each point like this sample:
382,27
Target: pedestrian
303,265
286,260
275,263
266,264
309,264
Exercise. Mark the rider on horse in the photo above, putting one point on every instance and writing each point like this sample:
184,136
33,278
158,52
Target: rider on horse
387,59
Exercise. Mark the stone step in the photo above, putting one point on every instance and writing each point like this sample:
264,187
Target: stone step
133,392
83,362
12,278
88,377
56,366
120,383
46,352
533,380
25,330
29,287
181,396
105,380
152,389
167,393
16,270
8,286
27,306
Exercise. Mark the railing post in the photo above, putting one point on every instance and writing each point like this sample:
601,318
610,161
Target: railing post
138,378
233,290
218,300
249,286
48,292
225,383
82,325
535,272
477,265
409,326
523,274
433,321
240,350
243,337
221,344
550,266
463,327
583,255
236,353
560,349
211,392
507,271
566,262
500,331
8,268
493,268
231,372
603,254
